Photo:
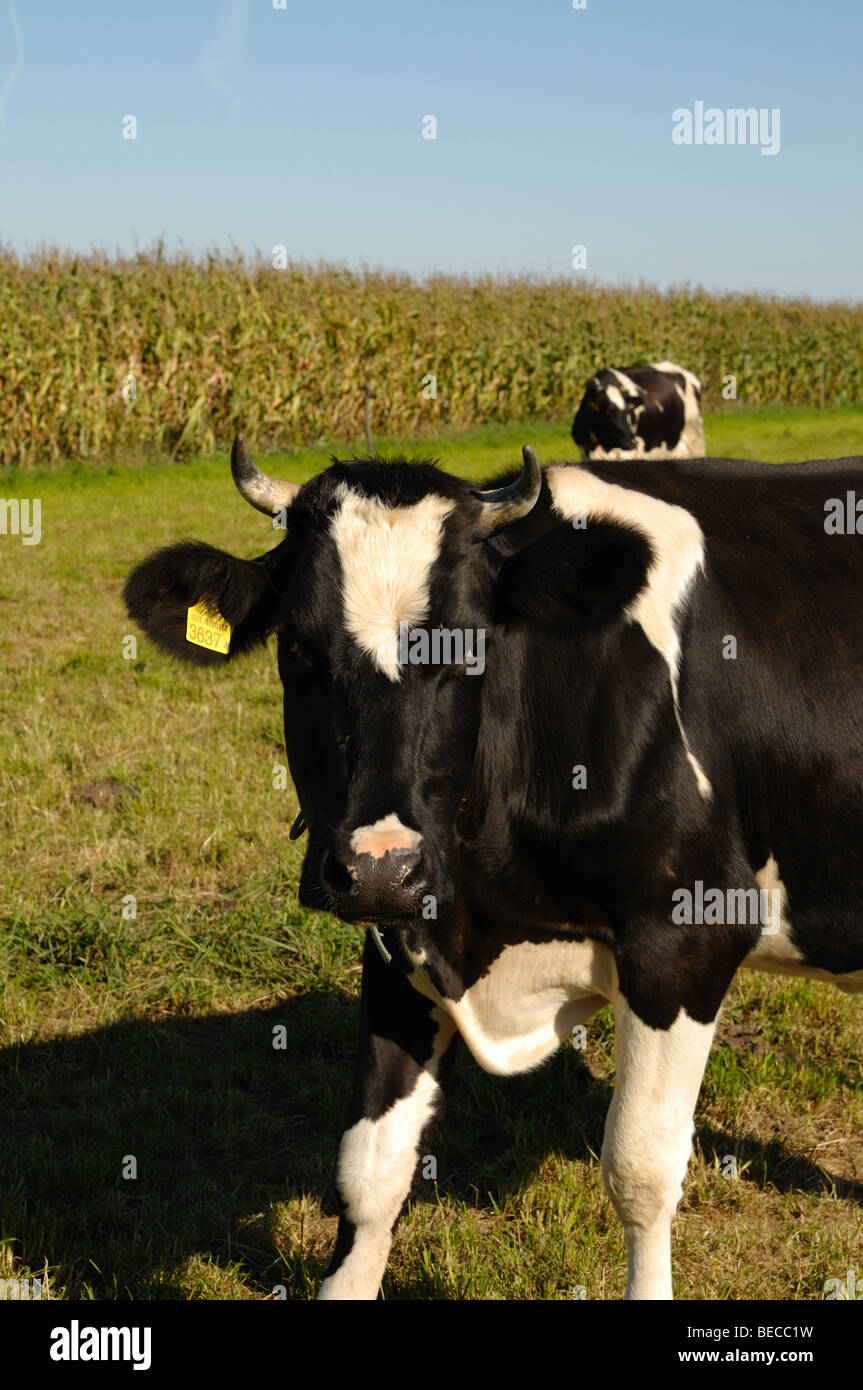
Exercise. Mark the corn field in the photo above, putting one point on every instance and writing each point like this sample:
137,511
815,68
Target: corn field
102,357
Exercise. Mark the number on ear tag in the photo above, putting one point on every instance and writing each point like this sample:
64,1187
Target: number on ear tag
206,627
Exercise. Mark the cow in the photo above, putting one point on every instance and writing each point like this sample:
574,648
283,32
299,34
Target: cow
640,412
655,778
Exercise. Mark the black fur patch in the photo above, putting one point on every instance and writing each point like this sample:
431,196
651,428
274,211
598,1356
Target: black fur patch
575,579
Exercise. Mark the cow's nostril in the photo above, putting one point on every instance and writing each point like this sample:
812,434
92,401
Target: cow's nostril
393,866
407,863
391,882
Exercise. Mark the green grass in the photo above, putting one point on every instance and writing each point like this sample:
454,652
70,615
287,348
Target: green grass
152,1035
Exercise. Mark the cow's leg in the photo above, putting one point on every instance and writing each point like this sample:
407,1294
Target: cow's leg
648,1137
405,1048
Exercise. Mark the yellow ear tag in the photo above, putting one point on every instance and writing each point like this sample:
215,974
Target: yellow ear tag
206,627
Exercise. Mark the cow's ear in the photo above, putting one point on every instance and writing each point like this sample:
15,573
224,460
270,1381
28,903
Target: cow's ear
576,579
160,592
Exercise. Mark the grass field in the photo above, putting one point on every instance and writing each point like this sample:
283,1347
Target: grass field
151,1035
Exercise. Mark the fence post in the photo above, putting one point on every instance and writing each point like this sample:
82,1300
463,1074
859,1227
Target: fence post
366,419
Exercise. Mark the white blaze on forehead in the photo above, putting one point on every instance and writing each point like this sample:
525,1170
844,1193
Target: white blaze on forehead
386,555
614,396
677,543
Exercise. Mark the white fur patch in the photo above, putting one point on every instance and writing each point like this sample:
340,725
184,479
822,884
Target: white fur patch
378,1157
691,444
627,384
677,542
386,833
648,1137
616,455
528,1002
615,396
377,1160
776,952
386,555
690,377
526,1005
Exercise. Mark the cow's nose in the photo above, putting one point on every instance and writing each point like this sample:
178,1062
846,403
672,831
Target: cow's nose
385,885
387,866
390,869
380,870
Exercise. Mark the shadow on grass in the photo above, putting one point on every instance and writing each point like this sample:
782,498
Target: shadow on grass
223,1126
773,1165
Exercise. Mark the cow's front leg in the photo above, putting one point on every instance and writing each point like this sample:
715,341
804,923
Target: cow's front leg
405,1045
648,1137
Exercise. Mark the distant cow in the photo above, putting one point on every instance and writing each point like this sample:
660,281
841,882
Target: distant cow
641,412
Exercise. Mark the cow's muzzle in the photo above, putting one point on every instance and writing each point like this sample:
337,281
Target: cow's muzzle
388,885
376,887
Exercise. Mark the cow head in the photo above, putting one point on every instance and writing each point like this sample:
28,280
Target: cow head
608,415
382,565
391,580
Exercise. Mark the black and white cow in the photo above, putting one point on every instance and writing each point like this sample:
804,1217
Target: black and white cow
641,412
669,711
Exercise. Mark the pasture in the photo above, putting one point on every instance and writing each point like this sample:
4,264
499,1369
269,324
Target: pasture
145,1029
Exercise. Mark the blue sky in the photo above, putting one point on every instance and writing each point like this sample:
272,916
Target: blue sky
302,127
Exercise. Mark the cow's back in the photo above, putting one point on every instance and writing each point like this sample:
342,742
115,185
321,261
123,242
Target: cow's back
772,674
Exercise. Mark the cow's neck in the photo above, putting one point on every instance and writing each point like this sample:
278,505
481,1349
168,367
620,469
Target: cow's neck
575,735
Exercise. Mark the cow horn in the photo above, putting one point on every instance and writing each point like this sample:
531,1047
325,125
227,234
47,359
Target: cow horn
507,504
267,494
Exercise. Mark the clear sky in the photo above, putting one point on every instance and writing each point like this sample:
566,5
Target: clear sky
303,126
